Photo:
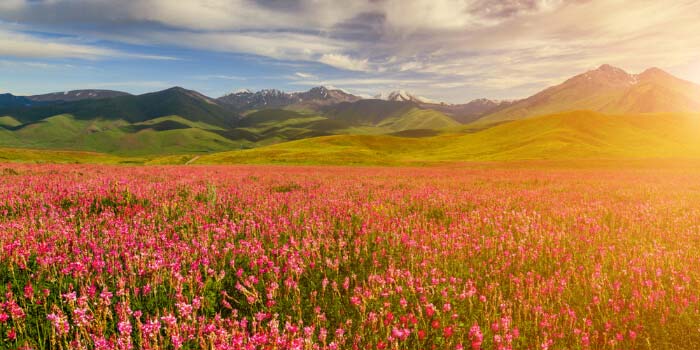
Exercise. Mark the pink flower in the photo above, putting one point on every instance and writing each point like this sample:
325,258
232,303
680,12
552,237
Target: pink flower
28,291
124,327
11,334
448,331
476,337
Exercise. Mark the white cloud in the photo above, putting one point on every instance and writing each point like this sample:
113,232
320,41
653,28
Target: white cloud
304,75
344,62
14,44
20,45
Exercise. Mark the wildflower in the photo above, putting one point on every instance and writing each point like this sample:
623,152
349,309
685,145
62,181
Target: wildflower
448,331
28,291
476,337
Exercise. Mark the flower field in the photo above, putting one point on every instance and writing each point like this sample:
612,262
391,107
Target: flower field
262,257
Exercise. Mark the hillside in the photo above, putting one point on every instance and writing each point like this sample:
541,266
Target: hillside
572,135
469,112
166,135
367,112
12,101
608,90
418,119
175,101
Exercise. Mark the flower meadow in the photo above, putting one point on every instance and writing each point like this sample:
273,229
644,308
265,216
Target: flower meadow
265,257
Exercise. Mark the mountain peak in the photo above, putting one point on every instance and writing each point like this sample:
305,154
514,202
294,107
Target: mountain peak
274,98
176,89
654,72
403,96
609,68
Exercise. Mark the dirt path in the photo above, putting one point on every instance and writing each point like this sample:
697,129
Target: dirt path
192,160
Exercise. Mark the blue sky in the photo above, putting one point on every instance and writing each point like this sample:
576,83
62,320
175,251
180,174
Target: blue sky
448,50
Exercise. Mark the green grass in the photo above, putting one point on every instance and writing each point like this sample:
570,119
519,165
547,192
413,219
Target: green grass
181,120
9,121
418,118
118,136
573,135
24,155
566,136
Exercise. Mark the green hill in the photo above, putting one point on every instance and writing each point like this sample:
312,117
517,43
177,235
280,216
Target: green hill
573,135
57,156
367,112
117,136
133,109
417,118
9,122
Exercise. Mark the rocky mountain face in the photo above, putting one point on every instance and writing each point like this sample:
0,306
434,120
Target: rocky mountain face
273,98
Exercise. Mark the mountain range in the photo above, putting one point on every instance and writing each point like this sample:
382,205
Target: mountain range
272,98
181,121
608,90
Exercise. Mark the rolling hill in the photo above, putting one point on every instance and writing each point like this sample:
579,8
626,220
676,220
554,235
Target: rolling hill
119,137
571,135
174,101
608,90
367,112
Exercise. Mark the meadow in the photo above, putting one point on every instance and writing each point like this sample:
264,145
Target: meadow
278,257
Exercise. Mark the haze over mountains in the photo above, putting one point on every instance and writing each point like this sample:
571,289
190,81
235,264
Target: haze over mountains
178,120
609,90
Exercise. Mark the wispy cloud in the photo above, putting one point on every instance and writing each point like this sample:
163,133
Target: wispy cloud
344,62
305,75
17,44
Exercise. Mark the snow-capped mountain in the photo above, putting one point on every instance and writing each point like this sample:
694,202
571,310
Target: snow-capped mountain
273,98
403,96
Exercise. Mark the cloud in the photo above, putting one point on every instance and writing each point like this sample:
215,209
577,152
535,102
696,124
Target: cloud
459,48
305,75
15,44
344,62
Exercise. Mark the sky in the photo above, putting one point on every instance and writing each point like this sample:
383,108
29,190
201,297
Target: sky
445,50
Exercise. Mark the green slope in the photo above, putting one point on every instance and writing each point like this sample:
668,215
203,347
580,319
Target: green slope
118,136
367,112
133,109
417,118
25,155
7,121
573,135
